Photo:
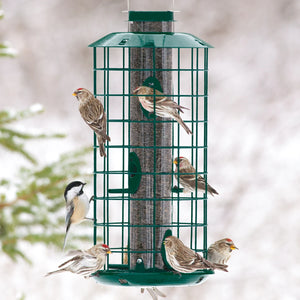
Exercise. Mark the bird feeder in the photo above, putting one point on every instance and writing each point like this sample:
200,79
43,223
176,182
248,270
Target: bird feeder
137,199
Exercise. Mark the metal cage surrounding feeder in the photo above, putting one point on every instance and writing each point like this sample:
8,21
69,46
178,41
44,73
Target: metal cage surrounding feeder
136,194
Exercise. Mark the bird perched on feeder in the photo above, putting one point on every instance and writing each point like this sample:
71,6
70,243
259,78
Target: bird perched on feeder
84,262
188,181
185,260
92,112
220,251
164,107
77,205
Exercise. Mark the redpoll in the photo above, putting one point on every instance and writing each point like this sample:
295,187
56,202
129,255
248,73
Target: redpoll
164,107
184,260
77,205
154,292
220,251
188,181
93,114
84,262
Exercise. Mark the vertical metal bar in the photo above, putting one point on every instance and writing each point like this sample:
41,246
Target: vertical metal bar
104,165
178,140
205,148
129,143
197,136
95,150
173,157
106,160
192,146
123,150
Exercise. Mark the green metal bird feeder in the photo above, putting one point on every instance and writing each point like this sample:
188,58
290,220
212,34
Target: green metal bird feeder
137,198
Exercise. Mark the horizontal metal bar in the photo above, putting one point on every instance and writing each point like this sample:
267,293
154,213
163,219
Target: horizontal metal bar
145,173
125,224
125,250
151,121
151,69
152,147
127,198
118,191
166,95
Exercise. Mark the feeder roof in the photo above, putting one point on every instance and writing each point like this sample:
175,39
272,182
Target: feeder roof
150,40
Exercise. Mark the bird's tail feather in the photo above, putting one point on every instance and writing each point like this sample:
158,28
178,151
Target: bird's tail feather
66,236
158,292
180,108
180,121
211,190
54,272
101,140
221,267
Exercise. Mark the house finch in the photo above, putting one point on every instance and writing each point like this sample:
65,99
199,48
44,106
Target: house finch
164,107
220,251
77,205
188,181
184,260
93,114
85,262
154,292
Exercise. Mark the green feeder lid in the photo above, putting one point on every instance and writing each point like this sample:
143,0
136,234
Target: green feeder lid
151,16
150,40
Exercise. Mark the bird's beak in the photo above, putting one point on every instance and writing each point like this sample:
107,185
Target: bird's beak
74,94
175,162
84,183
233,247
108,252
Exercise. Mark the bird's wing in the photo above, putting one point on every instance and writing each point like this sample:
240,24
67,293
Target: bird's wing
86,260
188,177
97,125
69,213
200,178
169,103
203,263
74,252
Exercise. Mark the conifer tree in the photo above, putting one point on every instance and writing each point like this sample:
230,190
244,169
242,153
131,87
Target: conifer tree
32,204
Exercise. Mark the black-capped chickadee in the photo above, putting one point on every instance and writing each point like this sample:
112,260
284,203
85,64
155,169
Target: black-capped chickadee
77,205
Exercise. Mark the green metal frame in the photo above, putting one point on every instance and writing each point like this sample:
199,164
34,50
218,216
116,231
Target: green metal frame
106,195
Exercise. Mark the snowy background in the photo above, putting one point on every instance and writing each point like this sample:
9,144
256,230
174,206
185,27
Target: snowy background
254,132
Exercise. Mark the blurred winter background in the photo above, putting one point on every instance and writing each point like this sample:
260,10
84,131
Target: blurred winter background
254,132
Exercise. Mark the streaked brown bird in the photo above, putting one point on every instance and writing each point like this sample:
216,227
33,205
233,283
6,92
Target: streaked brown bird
185,260
92,112
84,262
220,251
164,107
188,181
